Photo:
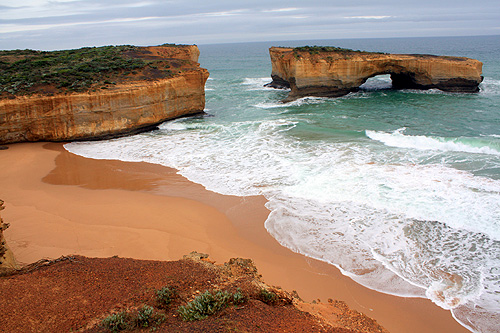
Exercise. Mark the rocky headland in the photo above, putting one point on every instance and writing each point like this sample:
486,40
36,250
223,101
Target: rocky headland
333,72
95,93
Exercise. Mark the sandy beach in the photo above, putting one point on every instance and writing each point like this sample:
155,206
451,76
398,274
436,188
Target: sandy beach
58,204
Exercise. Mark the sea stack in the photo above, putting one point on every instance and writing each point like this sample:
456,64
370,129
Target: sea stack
333,72
105,92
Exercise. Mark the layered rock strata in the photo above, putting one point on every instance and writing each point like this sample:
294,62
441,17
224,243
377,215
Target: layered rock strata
331,72
120,109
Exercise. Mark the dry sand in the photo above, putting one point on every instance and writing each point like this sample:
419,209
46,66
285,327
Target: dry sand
58,204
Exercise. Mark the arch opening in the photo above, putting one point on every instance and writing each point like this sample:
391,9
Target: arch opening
395,80
377,82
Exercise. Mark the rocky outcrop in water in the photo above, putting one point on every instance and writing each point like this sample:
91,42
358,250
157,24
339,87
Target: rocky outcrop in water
145,98
334,72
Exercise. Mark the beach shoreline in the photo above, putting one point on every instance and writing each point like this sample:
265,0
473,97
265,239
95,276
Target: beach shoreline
59,203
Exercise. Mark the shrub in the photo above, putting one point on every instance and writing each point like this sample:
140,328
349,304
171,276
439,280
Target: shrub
116,322
145,317
204,305
268,297
20,70
164,296
239,297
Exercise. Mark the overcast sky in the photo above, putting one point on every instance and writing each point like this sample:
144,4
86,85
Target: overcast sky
61,24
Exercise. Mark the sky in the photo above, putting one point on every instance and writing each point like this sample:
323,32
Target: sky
64,24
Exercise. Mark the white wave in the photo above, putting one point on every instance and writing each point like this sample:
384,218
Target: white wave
427,92
297,102
257,83
175,125
420,142
490,86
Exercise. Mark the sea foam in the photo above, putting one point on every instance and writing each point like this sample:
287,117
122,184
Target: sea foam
420,142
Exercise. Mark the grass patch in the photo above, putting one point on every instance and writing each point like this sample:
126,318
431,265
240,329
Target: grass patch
209,303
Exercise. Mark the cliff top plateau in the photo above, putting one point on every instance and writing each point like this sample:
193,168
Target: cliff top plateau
97,92
327,71
27,72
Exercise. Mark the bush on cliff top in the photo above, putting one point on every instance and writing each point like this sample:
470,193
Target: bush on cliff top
24,71
318,49
144,317
210,303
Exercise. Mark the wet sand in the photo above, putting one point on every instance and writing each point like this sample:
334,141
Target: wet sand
58,204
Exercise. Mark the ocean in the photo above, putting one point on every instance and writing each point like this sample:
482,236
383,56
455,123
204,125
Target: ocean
398,189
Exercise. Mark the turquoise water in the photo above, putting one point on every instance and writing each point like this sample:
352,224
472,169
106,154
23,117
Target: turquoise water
399,189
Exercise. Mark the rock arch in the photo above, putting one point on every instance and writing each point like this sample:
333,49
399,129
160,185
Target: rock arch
332,72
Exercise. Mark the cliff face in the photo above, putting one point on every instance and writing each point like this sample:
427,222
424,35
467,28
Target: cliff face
120,109
336,73
7,262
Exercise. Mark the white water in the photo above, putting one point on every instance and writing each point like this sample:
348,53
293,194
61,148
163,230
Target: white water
342,204
420,142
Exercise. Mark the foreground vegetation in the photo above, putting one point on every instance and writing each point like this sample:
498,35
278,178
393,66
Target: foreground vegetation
25,72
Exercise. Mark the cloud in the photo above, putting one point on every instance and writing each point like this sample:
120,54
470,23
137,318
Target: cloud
368,17
49,24
290,9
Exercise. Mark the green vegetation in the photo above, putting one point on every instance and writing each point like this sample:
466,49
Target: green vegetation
239,297
318,49
116,322
208,304
145,317
164,296
26,71
268,297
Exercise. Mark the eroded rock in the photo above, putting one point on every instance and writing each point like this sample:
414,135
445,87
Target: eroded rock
134,105
7,261
333,72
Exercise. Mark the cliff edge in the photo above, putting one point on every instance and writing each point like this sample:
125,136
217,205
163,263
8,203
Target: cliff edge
333,72
95,93
76,293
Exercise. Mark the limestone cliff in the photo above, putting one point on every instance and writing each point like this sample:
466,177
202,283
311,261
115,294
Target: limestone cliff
333,72
7,262
143,99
